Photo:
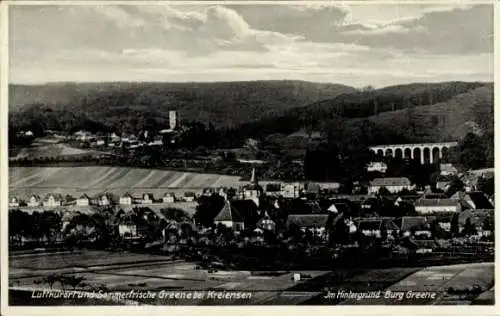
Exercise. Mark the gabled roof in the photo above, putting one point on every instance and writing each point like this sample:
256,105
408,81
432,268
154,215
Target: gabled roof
35,196
57,196
436,202
308,220
477,217
84,196
402,181
407,223
226,214
126,195
169,194
480,200
237,211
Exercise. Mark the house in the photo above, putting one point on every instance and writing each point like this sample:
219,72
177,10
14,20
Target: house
115,138
83,200
273,189
53,200
329,186
483,221
312,187
413,225
299,206
157,141
443,182
189,196
377,167
127,227
394,185
34,201
430,206
290,190
14,202
447,169
266,223
147,198
473,200
373,227
208,191
317,223
105,199
66,219
238,215
169,198
83,136
126,199
470,181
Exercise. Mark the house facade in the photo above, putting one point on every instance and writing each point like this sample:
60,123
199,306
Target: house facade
431,206
230,218
147,198
104,200
447,169
394,185
238,215
83,200
169,198
14,202
373,227
377,167
34,201
126,199
189,196
53,200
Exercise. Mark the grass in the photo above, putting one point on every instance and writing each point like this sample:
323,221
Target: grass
24,181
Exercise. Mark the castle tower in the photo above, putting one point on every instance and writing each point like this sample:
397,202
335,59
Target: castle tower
172,118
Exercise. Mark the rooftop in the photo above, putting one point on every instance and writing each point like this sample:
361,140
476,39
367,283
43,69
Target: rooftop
390,182
436,202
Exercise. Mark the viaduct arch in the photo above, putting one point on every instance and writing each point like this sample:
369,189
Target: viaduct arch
426,152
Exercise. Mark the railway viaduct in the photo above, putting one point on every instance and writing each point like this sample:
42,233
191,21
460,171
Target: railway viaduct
427,152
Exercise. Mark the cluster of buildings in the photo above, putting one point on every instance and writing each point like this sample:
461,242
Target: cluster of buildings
105,199
243,208
125,140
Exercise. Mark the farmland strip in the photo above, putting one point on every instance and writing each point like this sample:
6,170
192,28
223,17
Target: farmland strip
107,173
23,180
110,182
165,179
46,177
144,180
187,179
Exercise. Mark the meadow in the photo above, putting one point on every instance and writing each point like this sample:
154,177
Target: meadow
24,181
140,272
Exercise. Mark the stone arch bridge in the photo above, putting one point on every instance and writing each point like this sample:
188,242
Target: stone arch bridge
426,152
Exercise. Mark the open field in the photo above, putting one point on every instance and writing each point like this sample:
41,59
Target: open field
24,181
139,272
47,149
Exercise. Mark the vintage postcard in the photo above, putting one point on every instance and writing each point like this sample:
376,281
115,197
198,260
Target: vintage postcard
249,153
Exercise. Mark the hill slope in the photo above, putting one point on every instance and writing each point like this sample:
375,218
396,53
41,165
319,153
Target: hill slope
416,112
220,103
467,112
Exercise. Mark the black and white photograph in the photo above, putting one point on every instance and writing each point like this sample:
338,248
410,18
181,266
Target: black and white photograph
244,153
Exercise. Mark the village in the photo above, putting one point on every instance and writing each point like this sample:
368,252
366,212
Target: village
392,211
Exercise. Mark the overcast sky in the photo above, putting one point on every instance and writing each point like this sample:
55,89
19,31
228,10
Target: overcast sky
357,45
